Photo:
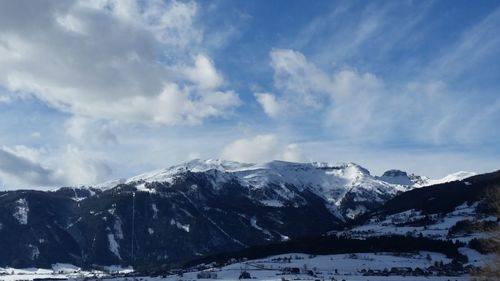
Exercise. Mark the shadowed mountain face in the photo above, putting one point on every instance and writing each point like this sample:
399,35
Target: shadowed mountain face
173,222
442,197
174,215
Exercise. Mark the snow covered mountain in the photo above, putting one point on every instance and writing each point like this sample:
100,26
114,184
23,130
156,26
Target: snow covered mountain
397,177
201,207
458,176
462,211
402,178
347,188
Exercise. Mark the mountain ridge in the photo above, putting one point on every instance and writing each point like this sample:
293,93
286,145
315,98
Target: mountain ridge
340,185
200,165
196,211
337,183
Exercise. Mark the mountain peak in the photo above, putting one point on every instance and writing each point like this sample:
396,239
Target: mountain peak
319,174
396,177
394,173
457,176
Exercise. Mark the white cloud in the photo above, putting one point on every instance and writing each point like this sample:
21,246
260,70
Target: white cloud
363,108
254,150
269,103
171,22
115,60
293,153
18,169
28,153
295,75
204,73
85,131
359,106
350,100
302,80
75,166
260,148
348,82
26,167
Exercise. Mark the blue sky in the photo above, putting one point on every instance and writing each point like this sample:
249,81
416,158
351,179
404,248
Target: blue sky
97,90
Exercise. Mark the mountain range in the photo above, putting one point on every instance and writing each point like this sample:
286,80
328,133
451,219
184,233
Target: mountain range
339,185
194,209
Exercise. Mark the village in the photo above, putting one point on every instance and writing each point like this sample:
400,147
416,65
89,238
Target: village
432,266
334,267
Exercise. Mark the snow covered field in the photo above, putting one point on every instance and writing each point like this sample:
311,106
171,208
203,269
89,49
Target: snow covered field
58,271
329,267
436,230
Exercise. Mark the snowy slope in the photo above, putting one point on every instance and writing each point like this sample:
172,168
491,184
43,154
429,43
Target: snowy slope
322,176
345,186
458,176
404,223
356,266
396,177
435,226
340,185
318,175
324,267
402,178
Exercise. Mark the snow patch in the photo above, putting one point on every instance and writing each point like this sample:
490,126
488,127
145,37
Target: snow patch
179,225
272,203
35,252
155,210
114,247
65,268
253,222
142,187
458,176
22,210
118,269
284,238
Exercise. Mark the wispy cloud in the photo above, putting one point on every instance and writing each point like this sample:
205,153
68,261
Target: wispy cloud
272,107
474,46
365,108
